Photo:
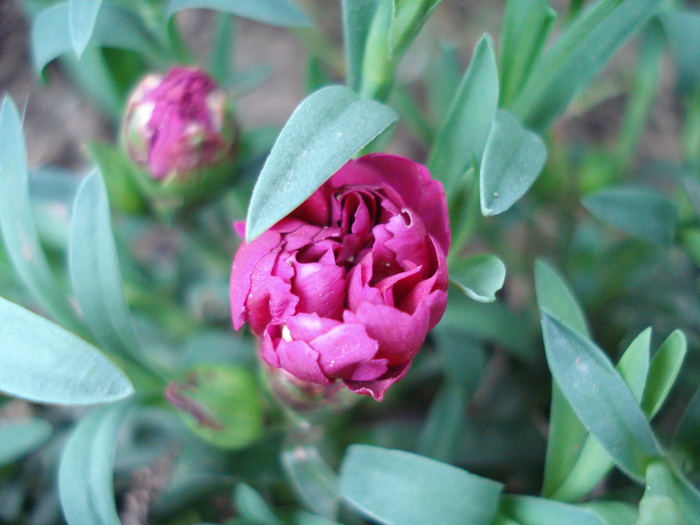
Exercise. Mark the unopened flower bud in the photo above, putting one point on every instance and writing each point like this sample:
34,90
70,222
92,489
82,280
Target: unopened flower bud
178,127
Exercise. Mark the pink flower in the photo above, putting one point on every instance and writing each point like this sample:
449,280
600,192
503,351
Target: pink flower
178,123
348,285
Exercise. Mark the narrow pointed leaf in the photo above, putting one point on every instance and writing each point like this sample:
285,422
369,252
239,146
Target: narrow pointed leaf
17,222
18,438
392,487
685,439
639,212
574,59
85,477
357,18
594,462
82,15
513,159
115,26
322,134
312,478
465,130
480,277
529,510
665,367
44,363
566,433
599,397
253,507
275,12
555,296
94,268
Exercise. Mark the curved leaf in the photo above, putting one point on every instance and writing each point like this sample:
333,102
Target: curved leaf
115,26
17,221
599,397
323,133
42,362
18,438
82,15
639,212
513,159
465,130
94,269
396,487
85,475
480,277
529,510
274,12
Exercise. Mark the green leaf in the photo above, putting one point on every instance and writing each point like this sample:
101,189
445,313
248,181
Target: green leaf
665,367
18,438
357,18
94,269
685,439
513,159
480,277
443,425
115,26
395,487
322,134
44,363
530,510
120,176
275,12
659,503
315,483
17,221
682,29
465,129
252,506
566,433
594,462
599,397
524,32
85,481
82,15
641,213
580,53
613,512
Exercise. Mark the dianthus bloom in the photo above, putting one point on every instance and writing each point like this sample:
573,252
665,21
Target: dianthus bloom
348,285
178,123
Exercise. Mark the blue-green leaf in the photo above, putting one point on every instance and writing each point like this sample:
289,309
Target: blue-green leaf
312,478
395,487
115,26
685,439
682,28
357,18
17,222
252,506
513,159
577,56
85,475
442,429
641,213
18,438
82,15
529,510
94,269
480,277
599,397
664,369
566,433
465,129
275,12
42,362
322,134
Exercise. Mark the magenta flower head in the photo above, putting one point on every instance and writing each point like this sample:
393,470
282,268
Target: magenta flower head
178,125
348,285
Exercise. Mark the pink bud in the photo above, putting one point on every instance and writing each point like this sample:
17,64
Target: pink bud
178,124
347,287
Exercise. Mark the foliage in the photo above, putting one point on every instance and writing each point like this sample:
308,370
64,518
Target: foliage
562,384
